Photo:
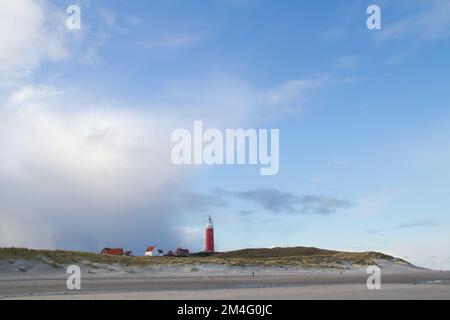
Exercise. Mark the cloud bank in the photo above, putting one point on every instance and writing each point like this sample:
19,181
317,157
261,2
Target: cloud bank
269,200
84,178
87,176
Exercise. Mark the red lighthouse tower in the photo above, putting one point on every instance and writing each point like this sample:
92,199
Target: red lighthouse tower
209,243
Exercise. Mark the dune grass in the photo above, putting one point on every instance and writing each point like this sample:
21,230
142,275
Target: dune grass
297,256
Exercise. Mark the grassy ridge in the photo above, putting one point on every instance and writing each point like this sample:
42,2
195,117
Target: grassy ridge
297,256
276,252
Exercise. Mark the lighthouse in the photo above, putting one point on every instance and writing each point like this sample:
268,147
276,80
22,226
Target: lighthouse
209,240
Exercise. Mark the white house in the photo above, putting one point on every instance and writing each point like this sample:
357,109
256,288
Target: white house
153,252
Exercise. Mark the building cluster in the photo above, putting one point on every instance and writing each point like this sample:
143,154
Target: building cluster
117,252
152,251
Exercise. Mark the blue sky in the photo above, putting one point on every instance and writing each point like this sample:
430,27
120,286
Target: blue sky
363,116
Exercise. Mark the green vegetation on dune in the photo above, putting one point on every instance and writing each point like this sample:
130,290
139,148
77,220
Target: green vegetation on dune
276,252
68,257
304,256
297,256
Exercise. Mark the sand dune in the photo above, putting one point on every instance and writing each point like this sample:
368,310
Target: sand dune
326,275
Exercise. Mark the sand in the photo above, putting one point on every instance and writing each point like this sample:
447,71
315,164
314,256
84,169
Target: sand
26,280
336,292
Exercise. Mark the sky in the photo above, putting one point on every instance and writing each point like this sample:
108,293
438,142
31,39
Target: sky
86,118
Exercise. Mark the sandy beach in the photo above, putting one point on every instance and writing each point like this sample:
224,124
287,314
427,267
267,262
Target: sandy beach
223,282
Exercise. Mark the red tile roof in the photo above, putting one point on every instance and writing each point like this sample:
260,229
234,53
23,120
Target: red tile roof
149,249
113,251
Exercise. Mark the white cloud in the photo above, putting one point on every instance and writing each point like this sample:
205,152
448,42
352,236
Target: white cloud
224,100
97,175
431,23
32,93
82,178
30,31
